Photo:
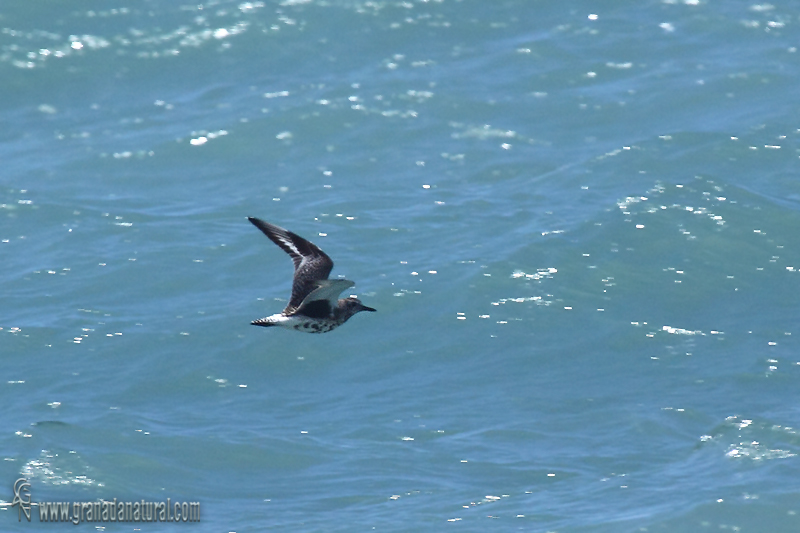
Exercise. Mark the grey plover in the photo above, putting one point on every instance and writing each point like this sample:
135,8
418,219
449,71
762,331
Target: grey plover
315,306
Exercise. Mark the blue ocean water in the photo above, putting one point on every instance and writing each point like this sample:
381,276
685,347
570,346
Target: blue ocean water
578,223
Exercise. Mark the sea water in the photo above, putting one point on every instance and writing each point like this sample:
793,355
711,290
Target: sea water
578,222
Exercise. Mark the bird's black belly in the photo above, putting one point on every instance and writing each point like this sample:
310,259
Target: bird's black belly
316,309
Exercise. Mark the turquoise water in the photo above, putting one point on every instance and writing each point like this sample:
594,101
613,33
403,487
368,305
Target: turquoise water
578,224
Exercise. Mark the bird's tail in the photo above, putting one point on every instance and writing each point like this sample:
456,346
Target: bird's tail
266,322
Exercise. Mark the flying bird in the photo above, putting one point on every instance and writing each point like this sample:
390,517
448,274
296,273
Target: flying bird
315,306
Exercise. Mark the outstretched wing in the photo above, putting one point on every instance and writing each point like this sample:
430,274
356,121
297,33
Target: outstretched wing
321,302
311,264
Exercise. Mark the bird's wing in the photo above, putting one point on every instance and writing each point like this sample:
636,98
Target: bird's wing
327,290
310,263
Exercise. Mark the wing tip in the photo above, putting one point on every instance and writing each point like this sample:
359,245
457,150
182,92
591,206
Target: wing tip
257,222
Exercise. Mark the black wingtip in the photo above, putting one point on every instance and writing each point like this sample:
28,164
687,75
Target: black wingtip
265,227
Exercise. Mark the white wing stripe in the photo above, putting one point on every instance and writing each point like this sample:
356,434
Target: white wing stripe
290,244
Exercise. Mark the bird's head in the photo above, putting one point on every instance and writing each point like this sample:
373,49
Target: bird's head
353,306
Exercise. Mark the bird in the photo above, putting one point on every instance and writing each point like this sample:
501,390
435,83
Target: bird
314,306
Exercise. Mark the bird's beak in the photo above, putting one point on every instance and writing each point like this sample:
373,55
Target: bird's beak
365,308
